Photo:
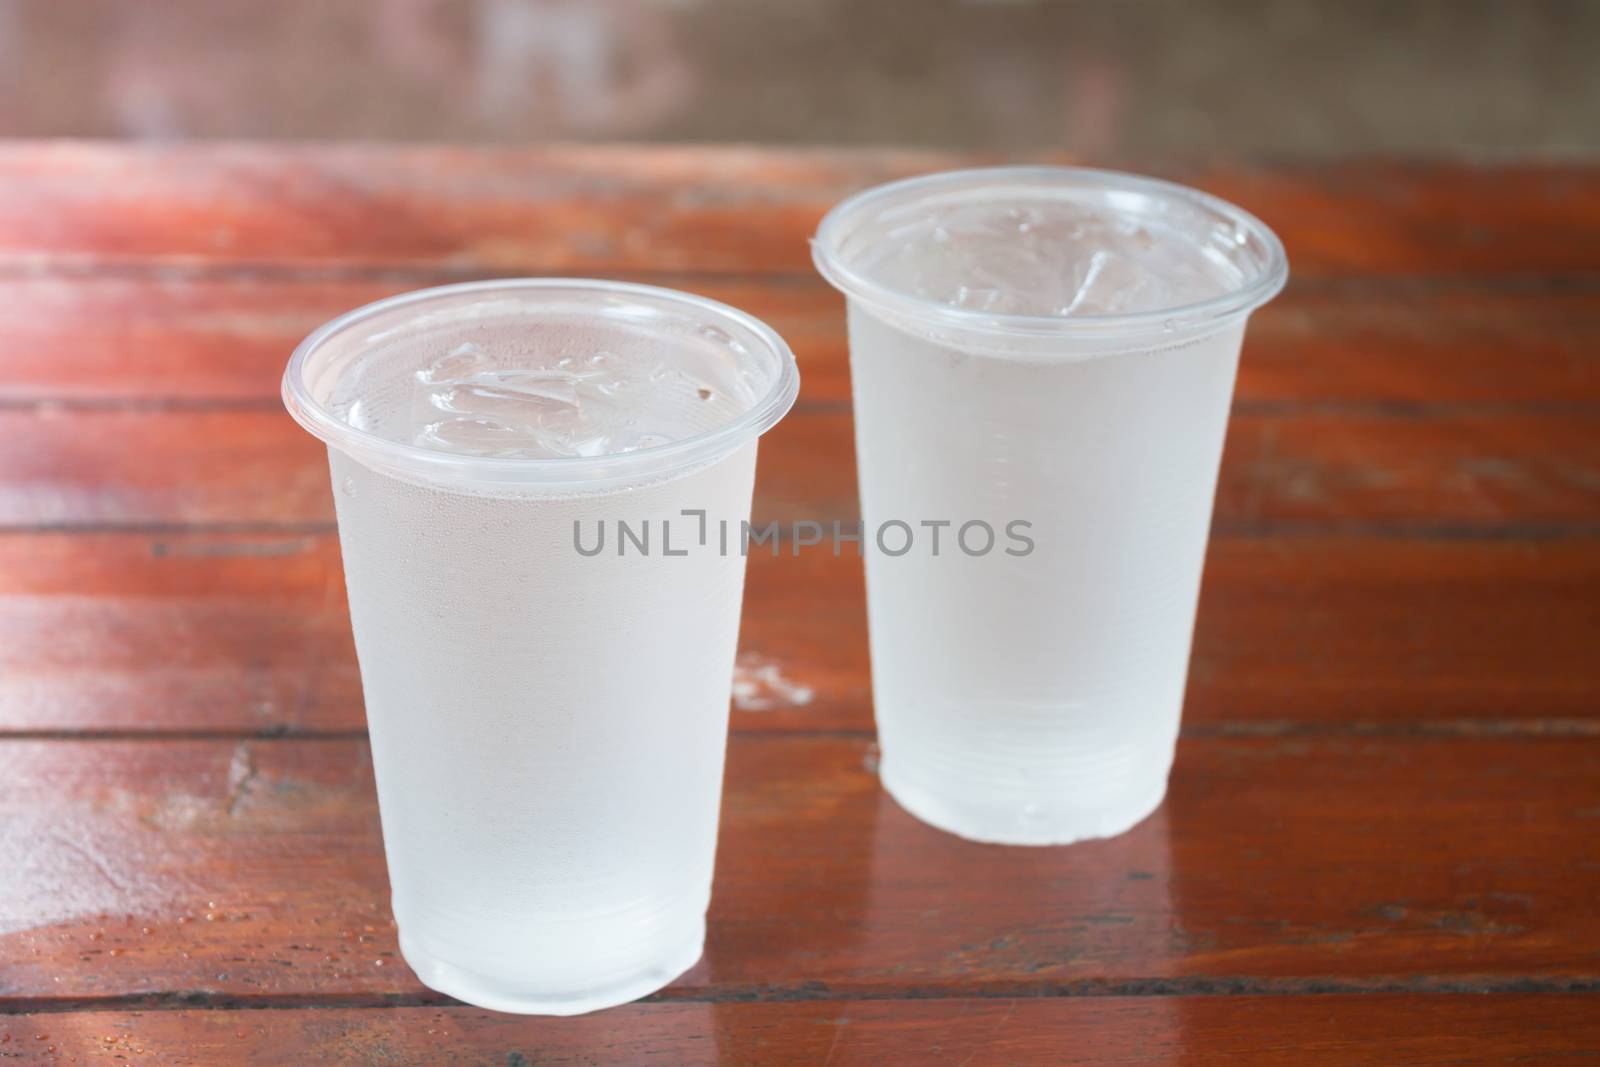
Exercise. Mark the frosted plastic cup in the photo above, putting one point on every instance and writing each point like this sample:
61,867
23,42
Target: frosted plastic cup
1021,367
548,726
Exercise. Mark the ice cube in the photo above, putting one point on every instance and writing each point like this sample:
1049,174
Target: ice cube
1039,256
460,362
477,435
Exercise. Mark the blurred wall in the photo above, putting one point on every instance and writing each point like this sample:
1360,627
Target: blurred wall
1286,78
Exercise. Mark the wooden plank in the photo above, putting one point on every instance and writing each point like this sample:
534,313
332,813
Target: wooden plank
114,467
196,340
239,633
193,340
1347,1031
108,467
570,209
1353,471
254,869
1332,630
248,633
1451,472
1424,345
738,210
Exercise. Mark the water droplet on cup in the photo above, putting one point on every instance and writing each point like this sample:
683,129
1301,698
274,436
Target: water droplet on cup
348,486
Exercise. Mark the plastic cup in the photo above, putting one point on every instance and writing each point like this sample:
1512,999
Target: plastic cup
548,724
1031,693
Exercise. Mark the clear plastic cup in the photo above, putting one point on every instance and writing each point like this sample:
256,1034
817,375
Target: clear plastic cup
1048,353
548,724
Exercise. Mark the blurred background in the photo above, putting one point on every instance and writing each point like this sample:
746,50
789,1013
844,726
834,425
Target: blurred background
1283,79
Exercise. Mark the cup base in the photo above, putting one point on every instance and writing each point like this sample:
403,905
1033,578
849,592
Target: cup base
993,825
497,994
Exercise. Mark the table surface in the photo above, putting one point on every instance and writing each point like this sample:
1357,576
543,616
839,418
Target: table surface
1382,839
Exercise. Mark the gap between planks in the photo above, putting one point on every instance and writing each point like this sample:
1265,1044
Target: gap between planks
1460,729
85,267
1193,986
1255,531
1394,409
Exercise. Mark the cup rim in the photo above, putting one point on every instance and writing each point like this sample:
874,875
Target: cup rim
841,220
576,472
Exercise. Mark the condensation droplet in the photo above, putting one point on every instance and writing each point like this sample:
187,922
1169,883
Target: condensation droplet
348,486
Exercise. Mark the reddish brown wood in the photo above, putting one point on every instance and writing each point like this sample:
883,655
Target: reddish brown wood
243,632
1347,470
1523,342
1370,633
570,208
256,868
117,467
248,633
1390,775
227,339
106,339
1449,471
1352,1031
579,210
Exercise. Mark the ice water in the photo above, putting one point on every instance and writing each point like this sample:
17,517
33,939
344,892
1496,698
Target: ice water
547,725
1032,696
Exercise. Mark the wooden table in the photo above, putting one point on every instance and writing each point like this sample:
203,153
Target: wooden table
1382,841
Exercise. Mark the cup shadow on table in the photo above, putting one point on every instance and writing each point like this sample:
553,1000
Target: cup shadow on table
865,908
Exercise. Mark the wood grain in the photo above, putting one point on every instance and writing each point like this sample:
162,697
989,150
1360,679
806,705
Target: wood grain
1454,472
248,633
1424,345
737,210
190,340
1351,471
237,633
96,468
249,869
226,340
1350,1031
1387,789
